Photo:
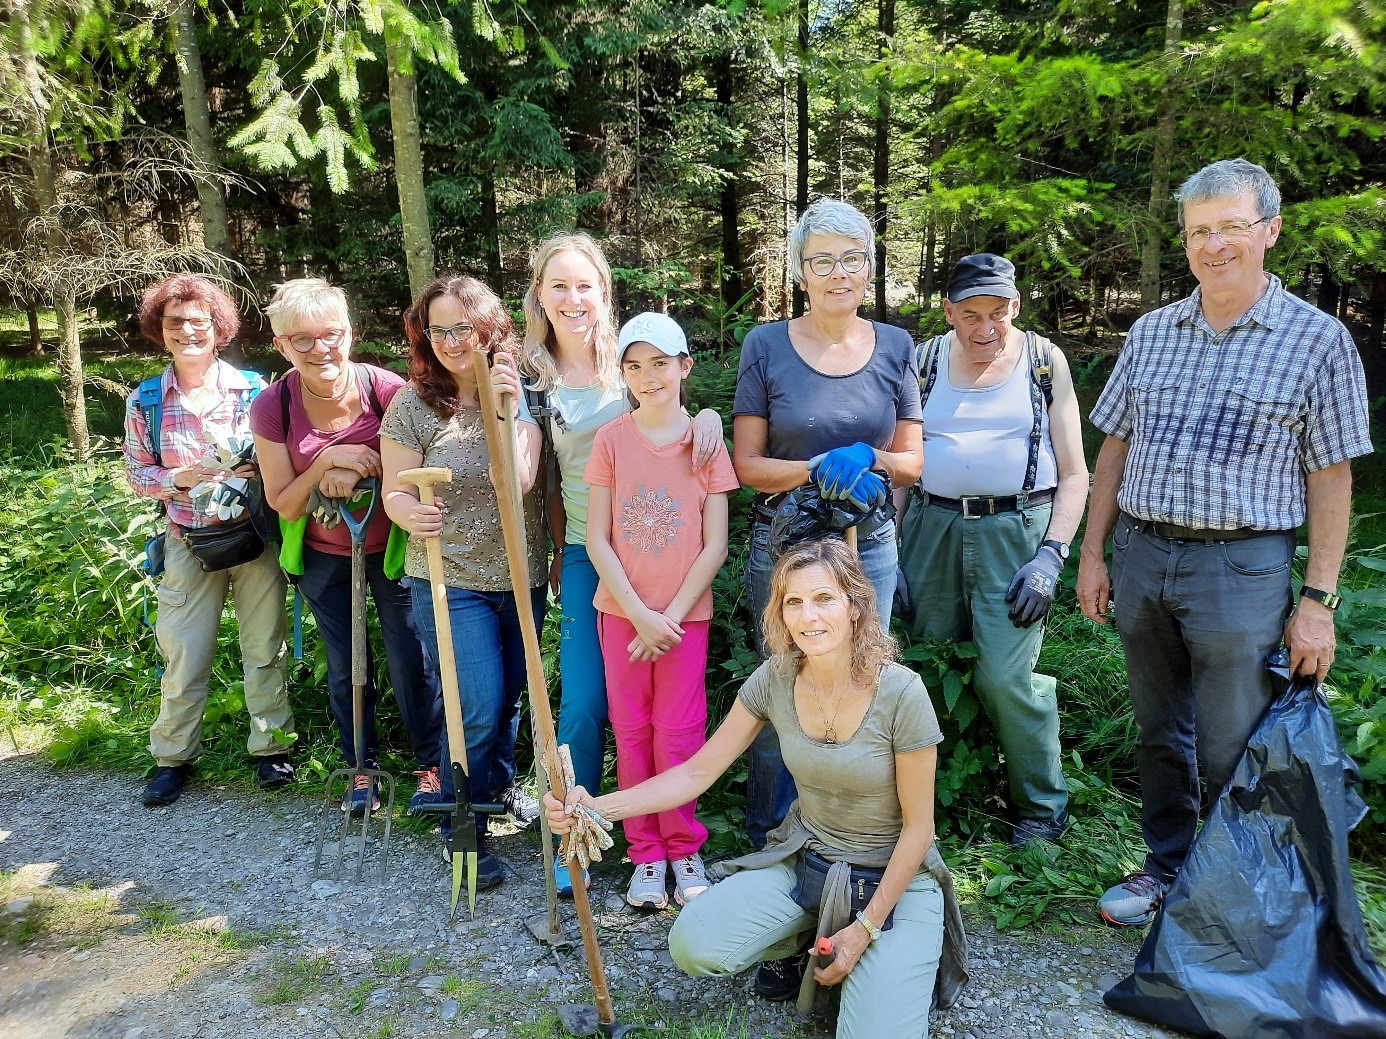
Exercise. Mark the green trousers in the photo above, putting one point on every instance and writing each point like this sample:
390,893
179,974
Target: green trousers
958,570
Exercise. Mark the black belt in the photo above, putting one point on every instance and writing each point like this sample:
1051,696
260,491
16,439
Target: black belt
1176,532
976,506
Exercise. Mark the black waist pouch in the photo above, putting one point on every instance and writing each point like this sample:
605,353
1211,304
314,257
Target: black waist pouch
811,873
224,546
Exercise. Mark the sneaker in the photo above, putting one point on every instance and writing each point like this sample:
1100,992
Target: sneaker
430,790
646,888
1026,830
1134,901
273,771
563,880
362,788
778,980
489,872
523,808
690,879
167,783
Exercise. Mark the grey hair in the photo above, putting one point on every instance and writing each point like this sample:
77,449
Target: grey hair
308,298
1229,178
830,216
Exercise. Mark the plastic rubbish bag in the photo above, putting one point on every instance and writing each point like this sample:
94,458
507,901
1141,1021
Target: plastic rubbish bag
805,515
1261,936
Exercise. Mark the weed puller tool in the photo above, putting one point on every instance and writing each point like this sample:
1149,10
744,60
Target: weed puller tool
500,447
462,844
377,779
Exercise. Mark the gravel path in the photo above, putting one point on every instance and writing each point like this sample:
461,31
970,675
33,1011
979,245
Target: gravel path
204,920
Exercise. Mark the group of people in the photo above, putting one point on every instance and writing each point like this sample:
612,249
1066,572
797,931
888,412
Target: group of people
1231,417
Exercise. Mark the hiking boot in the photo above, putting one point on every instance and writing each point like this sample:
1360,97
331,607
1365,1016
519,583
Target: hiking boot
1134,901
489,872
778,980
166,785
563,880
646,888
362,789
690,879
273,771
430,790
1026,830
523,808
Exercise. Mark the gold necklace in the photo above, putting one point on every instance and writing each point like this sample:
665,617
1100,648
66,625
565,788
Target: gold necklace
829,729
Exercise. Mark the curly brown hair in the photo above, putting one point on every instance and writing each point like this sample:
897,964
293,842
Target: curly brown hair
188,288
485,313
872,646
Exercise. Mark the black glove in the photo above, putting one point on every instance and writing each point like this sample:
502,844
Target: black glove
1032,588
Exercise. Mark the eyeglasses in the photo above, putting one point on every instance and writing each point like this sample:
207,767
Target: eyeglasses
176,324
458,332
304,341
1233,232
822,264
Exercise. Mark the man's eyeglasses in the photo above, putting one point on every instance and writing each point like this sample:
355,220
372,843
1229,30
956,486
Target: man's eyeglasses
304,341
822,264
1233,232
438,334
197,324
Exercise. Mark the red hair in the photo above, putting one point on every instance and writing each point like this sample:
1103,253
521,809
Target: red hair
485,313
188,288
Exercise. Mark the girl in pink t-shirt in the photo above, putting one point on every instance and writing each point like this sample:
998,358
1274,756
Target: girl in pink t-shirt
657,535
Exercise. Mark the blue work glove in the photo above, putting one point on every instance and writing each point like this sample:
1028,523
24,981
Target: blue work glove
1032,588
868,493
836,471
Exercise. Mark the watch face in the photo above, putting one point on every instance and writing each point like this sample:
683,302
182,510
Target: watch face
1059,547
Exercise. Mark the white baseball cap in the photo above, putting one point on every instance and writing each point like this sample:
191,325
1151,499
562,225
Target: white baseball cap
659,330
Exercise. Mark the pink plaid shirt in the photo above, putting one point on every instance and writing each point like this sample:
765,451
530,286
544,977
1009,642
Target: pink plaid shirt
184,437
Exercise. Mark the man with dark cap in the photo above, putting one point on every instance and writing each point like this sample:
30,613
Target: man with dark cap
988,525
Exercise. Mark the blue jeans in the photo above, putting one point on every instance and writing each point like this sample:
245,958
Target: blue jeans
770,789
326,584
582,711
489,646
1197,621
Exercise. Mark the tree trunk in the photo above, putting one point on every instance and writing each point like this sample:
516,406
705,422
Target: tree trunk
71,380
801,138
490,227
35,333
728,206
885,41
197,115
1329,291
1161,158
409,180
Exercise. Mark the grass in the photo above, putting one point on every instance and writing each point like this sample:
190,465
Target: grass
292,981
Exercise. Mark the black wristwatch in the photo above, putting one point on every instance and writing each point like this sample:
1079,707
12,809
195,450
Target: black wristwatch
1330,599
1057,546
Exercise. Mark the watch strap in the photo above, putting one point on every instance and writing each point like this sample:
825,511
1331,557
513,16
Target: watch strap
1330,599
872,931
1061,549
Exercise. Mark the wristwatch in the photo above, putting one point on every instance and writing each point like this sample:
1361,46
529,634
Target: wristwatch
1058,546
1330,599
872,931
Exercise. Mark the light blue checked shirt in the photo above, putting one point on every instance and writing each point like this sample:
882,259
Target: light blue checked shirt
1223,426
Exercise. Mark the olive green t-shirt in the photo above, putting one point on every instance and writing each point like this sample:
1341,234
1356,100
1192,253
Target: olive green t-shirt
847,795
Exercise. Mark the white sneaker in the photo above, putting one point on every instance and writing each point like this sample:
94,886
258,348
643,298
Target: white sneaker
690,879
646,890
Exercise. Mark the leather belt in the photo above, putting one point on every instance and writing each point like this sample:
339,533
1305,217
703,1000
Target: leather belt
1176,532
975,506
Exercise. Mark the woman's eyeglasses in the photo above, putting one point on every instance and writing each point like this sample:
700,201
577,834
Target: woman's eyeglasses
305,341
822,264
459,332
177,324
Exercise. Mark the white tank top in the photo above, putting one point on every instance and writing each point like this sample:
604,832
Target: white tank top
977,441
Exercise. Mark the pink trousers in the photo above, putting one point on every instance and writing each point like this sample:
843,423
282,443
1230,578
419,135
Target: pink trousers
659,715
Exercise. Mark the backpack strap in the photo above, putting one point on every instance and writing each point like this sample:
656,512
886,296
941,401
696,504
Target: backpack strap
151,402
1040,395
364,371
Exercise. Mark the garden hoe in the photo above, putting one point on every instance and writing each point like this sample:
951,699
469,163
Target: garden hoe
500,445
380,780
462,844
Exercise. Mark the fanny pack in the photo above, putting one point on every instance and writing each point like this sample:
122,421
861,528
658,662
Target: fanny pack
223,546
153,564
811,873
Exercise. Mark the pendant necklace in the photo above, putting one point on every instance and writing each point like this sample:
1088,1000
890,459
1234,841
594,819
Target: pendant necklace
829,729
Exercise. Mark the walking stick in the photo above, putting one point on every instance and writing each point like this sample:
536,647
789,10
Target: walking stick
500,446
462,845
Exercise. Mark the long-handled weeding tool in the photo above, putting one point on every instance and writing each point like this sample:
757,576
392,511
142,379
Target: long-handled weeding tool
500,446
463,850
376,779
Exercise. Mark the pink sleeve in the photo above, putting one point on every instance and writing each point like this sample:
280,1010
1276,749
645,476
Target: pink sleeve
721,477
267,413
600,463
387,384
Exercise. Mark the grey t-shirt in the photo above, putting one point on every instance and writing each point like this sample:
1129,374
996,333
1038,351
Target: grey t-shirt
847,795
809,412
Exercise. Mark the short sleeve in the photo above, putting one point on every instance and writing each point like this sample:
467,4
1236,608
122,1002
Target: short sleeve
1111,414
907,405
401,421
752,395
721,477
386,383
1338,427
915,724
524,413
267,413
601,463
754,693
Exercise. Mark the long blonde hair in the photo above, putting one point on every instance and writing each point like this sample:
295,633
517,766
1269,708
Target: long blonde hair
539,341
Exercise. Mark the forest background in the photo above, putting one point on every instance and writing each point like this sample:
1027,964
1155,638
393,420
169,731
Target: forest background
374,142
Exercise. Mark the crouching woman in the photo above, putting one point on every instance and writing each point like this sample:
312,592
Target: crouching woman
859,737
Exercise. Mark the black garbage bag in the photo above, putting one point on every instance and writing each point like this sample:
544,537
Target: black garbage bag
805,515
1261,936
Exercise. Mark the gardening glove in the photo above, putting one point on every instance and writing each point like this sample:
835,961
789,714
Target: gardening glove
590,835
836,471
868,493
324,509
1032,588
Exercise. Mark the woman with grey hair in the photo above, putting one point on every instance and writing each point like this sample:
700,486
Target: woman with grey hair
829,399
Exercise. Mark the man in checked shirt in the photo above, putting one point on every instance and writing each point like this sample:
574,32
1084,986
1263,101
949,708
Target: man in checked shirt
1231,417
